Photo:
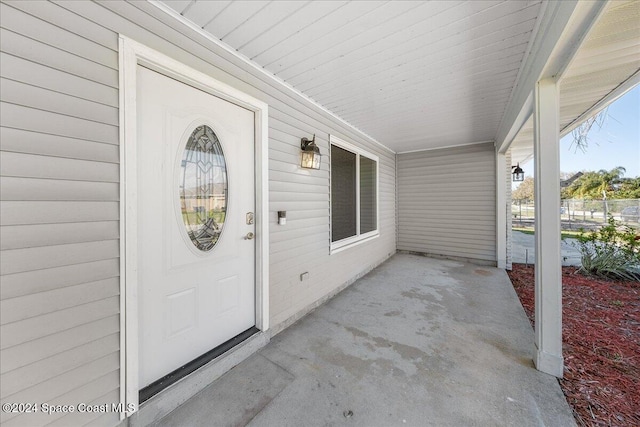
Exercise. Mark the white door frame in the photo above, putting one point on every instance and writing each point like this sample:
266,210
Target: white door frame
132,54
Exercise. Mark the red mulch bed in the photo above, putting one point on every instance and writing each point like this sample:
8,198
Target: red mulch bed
601,335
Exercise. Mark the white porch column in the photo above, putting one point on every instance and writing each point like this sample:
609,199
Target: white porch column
548,283
509,201
501,210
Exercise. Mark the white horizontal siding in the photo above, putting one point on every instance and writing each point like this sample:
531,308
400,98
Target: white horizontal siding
49,12
437,232
37,304
60,297
49,212
22,70
31,236
43,99
17,116
47,33
447,202
32,351
59,302
37,258
16,380
109,381
41,53
92,418
23,141
78,370
47,167
40,326
31,282
23,189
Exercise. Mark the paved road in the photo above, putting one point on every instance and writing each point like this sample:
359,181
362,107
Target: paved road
523,250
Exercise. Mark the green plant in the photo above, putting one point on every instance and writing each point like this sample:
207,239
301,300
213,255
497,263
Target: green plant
612,252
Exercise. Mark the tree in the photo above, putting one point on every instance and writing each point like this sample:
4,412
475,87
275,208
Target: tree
629,188
581,133
591,185
524,190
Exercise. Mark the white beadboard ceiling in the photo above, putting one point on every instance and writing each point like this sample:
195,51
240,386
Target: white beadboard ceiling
609,57
413,74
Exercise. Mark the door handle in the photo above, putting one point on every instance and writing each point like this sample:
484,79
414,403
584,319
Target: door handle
249,236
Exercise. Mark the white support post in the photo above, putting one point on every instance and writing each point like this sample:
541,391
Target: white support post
509,203
501,211
548,267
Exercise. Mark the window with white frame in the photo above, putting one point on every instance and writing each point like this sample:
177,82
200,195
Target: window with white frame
354,194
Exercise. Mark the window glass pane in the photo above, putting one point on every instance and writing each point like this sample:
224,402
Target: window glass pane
203,188
343,194
368,179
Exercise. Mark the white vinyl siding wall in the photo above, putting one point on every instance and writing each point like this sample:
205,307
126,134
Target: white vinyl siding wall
60,196
446,202
59,232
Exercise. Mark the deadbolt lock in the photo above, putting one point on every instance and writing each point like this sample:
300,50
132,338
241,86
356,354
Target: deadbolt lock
249,218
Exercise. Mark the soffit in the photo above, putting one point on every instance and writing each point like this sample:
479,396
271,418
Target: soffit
414,75
609,56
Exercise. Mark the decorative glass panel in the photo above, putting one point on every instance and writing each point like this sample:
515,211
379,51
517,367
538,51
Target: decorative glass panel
203,188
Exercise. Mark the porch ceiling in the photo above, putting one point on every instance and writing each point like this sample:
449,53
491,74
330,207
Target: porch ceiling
414,75
605,67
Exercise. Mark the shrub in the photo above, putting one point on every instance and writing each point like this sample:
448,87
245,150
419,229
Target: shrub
613,252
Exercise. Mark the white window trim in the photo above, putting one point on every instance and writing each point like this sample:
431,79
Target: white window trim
358,239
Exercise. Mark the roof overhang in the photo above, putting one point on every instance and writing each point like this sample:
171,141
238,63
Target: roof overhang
605,67
563,28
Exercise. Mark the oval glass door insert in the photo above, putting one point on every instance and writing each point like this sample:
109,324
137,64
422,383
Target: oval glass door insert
203,188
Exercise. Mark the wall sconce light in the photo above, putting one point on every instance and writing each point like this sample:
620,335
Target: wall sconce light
518,173
310,155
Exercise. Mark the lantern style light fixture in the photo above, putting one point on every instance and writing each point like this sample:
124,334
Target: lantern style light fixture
518,173
310,154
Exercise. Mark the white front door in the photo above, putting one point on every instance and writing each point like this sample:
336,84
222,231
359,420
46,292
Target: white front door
195,201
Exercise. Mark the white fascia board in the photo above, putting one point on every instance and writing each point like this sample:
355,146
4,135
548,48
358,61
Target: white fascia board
525,111
256,67
563,26
583,19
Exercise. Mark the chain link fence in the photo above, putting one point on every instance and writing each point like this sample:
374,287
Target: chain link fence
577,213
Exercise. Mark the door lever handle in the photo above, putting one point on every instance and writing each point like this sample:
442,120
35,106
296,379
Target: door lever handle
249,236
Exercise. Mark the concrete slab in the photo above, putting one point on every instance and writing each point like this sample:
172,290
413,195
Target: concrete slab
236,398
523,250
416,342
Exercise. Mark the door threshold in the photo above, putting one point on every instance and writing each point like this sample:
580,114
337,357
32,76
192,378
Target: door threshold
159,405
175,376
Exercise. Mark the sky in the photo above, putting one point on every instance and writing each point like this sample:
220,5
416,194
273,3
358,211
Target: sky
617,143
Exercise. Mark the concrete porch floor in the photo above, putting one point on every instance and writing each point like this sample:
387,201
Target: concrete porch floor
418,341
